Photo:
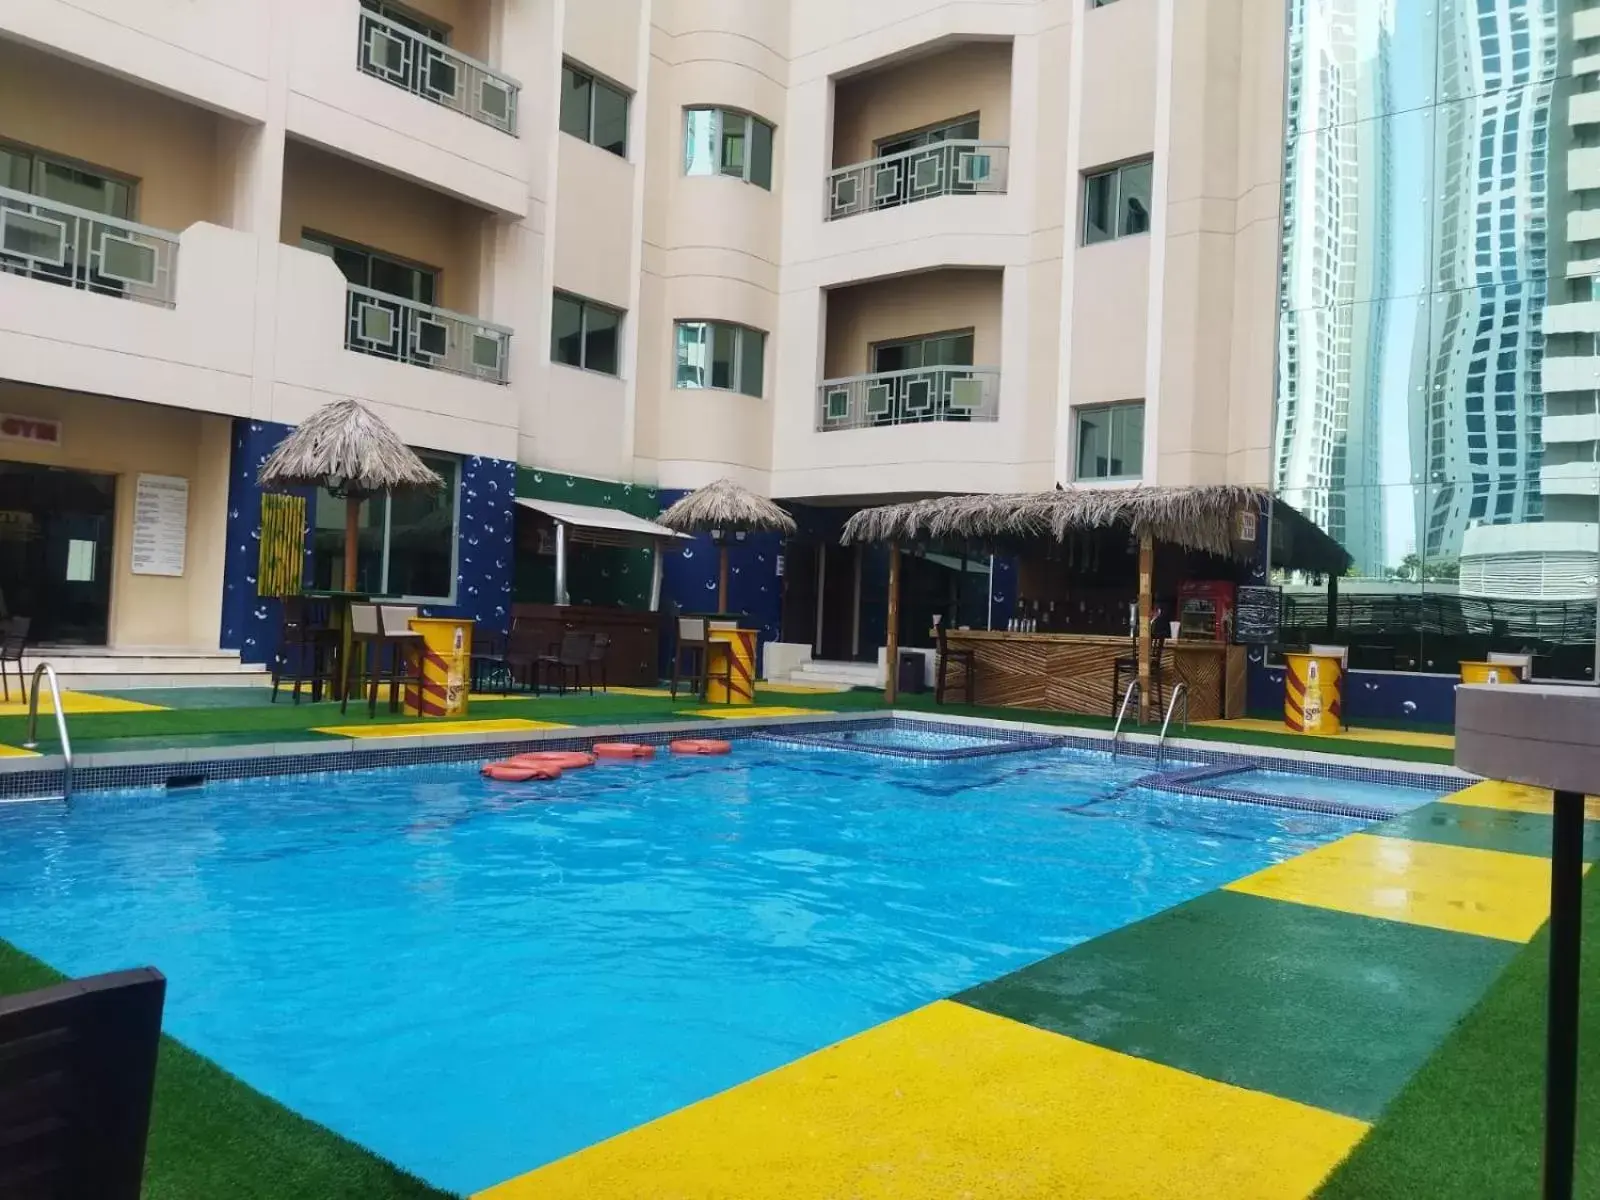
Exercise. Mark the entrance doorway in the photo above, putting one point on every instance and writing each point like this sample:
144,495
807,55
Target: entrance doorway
56,551
836,638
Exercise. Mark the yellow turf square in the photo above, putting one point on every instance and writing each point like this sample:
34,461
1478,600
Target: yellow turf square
433,727
1485,892
1517,797
947,1102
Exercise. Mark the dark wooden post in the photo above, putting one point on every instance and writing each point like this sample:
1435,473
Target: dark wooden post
722,578
1147,559
352,540
891,686
1333,608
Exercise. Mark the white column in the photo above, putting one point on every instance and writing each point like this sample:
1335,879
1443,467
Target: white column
655,579
561,563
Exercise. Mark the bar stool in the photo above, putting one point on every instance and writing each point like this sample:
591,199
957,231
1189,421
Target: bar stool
967,660
369,642
694,640
307,647
1128,665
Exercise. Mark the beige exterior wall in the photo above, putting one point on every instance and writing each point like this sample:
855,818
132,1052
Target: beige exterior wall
888,309
126,439
169,148
467,22
345,200
931,89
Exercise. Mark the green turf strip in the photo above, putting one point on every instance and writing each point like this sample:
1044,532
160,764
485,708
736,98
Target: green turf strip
212,1136
1470,1123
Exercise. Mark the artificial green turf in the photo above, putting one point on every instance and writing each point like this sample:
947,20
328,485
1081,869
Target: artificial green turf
213,1136
1470,1123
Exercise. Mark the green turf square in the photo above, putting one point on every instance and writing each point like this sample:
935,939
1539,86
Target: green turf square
1305,1003
1485,829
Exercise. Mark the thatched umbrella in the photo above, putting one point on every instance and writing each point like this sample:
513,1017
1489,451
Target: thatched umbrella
722,508
347,449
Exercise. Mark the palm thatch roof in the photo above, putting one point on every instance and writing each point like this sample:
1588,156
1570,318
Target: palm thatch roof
347,448
1194,518
726,506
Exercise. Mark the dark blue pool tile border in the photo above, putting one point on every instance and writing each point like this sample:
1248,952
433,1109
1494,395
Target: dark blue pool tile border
1200,766
1001,741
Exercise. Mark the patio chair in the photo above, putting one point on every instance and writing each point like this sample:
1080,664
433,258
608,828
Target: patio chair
370,646
597,661
77,1072
13,641
694,642
568,661
967,660
307,647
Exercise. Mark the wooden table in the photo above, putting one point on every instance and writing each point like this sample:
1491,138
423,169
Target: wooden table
1073,672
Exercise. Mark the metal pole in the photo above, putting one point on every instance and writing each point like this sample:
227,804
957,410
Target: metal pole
561,563
891,687
656,568
1561,1034
989,621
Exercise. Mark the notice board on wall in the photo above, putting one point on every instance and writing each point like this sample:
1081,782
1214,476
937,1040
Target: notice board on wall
160,524
1255,615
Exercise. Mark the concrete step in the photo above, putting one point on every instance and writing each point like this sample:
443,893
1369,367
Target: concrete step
846,674
91,668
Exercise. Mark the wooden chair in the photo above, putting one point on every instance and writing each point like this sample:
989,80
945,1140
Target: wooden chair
598,654
967,660
369,645
406,647
569,660
1125,669
307,647
694,641
13,641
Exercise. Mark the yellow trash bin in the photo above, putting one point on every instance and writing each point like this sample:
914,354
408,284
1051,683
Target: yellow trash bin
1313,693
1490,672
446,668
735,650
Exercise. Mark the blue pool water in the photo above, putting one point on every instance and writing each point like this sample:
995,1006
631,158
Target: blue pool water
1393,797
911,738
474,978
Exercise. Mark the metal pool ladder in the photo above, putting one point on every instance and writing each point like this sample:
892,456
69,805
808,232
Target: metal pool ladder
32,742
1116,730
1181,692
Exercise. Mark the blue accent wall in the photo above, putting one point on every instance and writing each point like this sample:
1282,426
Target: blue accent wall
689,576
251,624
1369,696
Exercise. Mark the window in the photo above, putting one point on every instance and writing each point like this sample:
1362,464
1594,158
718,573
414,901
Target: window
1116,203
408,19
720,141
1111,441
593,110
408,541
715,354
952,349
585,334
55,245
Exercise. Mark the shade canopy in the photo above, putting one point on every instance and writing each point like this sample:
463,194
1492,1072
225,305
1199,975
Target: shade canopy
1194,518
726,506
609,523
346,448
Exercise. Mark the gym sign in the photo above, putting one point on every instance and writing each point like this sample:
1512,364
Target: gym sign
38,430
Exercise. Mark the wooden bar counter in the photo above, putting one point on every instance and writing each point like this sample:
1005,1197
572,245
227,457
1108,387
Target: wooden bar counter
1072,672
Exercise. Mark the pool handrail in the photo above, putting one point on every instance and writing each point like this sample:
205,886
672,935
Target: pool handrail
32,741
1116,730
1179,692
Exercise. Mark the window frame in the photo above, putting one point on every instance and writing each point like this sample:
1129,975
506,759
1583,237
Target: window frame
1116,171
38,158
584,305
1110,408
597,81
454,486
736,367
721,113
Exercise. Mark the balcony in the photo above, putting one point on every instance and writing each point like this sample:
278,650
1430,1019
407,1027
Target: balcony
423,336
432,70
946,393
950,168
57,243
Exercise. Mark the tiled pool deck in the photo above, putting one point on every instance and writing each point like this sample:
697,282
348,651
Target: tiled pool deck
1238,1045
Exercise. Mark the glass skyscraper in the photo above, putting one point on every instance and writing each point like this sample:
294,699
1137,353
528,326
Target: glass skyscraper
1438,364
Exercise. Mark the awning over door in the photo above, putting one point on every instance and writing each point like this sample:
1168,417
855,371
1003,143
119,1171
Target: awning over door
600,526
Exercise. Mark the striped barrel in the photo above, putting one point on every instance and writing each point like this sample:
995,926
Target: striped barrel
446,668
1313,693
735,648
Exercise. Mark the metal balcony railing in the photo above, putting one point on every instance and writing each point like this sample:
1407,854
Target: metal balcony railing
953,168
434,71
390,327
909,397
58,243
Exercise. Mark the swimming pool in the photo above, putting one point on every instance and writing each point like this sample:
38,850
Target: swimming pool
1392,797
474,978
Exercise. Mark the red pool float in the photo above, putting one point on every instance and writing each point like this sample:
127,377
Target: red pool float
701,746
624,750
565,760
510,771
